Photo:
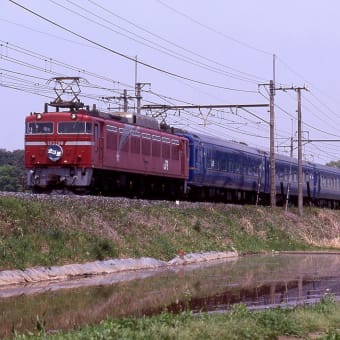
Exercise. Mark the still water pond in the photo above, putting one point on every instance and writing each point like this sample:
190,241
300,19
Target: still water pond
257,281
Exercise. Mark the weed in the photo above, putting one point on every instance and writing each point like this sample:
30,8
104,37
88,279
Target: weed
103,249
40,325
197,226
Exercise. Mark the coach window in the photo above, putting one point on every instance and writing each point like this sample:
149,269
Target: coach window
294,177
223,165
209,159
237,167
231,166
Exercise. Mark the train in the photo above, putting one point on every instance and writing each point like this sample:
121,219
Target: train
84,151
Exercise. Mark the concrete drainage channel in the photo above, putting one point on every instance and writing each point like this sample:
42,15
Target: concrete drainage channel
67,272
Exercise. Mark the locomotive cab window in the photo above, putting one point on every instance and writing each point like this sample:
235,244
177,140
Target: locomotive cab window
75,127
39,128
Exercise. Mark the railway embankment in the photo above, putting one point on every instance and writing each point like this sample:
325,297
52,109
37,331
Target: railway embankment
41,230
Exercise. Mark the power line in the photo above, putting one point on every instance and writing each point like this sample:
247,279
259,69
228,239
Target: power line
171,42
43,58
126,56
159,47
213,29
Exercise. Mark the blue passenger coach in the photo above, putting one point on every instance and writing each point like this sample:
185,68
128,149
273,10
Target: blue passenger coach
226,170
327,186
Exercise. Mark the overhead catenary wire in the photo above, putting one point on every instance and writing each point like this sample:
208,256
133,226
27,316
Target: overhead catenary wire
158,69
43,58
176,45
95,86
50,60
154,45
211,29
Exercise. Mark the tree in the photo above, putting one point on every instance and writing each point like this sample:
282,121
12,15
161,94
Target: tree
12,170
334,164
10,179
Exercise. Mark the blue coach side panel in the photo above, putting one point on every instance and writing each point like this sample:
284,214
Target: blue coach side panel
224,164
287,176
328,182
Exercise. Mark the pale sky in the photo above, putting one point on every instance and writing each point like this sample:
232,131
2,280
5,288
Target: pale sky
196,52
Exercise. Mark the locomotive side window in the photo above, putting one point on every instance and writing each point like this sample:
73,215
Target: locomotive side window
124,143
175,149
124,140
135,143
146,143
39,128
111,141
111,137
166,147
75,127
156,146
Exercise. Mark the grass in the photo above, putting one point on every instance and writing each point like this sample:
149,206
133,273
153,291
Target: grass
53,231
57,231
303,322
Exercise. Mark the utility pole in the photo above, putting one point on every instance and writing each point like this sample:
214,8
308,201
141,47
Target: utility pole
272,146
290,171
272,137
138,96
138,89
300,179
125,97
300,192
272,185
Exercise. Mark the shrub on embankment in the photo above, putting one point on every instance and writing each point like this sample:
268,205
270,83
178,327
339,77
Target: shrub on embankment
54,230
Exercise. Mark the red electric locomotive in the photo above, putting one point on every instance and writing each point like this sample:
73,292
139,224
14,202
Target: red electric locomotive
85,151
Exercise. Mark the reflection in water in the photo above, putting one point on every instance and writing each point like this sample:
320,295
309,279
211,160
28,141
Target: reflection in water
257,281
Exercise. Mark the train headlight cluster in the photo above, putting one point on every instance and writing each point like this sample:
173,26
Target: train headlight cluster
73,116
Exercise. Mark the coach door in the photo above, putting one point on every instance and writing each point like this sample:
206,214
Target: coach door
199,162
